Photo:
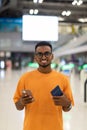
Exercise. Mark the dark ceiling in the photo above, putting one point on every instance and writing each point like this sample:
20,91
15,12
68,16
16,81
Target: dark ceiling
16,8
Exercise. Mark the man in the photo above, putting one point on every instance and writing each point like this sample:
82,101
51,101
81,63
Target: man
42,110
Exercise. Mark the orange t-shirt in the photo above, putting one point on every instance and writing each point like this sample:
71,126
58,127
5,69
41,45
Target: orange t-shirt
43,114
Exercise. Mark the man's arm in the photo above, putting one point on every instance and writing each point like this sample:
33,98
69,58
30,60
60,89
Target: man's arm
19,104
25,99
62,101
68,108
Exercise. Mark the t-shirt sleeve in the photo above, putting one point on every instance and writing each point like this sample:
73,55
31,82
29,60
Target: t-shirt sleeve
68,90
19,88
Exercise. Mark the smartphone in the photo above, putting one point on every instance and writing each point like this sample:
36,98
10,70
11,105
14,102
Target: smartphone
24,94
57,91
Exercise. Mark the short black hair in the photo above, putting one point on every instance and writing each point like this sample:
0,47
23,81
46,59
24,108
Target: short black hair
43,43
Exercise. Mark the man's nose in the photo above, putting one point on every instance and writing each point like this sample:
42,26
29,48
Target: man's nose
43,56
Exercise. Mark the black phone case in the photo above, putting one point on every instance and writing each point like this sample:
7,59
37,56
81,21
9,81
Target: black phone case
57,91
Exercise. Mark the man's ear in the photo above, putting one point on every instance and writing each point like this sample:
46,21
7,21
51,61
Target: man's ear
35,60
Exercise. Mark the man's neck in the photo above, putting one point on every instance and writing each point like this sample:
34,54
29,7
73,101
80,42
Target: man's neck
46,70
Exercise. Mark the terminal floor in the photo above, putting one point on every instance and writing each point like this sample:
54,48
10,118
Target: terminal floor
11,119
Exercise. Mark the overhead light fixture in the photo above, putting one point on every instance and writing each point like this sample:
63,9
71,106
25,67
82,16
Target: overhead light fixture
40,1
77,2
36,11
66,13
74,2
82,20
61,19
33,11
37,1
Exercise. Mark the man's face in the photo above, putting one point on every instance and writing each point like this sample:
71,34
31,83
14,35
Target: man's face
43,56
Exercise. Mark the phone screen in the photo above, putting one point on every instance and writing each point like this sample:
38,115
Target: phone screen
57,91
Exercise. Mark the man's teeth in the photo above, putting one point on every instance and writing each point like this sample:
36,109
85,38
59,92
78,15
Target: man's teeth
44,61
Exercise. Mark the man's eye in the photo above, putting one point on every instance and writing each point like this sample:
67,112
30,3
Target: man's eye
39,54
47,53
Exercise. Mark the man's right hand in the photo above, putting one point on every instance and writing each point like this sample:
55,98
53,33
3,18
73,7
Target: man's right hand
26,97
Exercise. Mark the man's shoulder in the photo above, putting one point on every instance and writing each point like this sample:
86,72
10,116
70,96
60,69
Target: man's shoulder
28,73
60,74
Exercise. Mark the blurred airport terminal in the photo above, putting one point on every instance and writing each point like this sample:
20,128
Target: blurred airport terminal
65,24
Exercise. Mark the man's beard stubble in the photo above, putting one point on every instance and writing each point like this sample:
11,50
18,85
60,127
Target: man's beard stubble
44,66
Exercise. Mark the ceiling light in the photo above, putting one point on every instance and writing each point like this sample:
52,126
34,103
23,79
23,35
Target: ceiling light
74,2
40,1
35,1
82,20
66,13
60,19
77,2
36,11
31,11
